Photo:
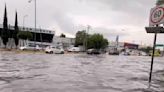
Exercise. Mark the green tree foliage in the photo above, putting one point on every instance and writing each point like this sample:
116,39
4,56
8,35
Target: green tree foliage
159,2
63,35
5,32
97,41
15,33
147,49
0,33
24,35
80,38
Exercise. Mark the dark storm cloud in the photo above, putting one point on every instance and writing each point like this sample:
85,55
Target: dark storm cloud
64,22
62,14
137,10
110,32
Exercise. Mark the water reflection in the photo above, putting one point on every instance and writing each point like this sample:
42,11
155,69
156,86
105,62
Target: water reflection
78,73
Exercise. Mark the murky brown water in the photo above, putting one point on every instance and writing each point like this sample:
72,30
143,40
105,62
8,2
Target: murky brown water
78,73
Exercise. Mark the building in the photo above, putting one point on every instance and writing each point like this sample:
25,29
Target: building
41,37
113,45
130,46
122,45
64,42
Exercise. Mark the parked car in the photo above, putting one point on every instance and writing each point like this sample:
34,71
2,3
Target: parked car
113,53
124,53
93,51
74,49
51,50
156,53
141,53
30,47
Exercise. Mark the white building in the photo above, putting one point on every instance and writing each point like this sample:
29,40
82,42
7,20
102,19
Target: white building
113,45
64,42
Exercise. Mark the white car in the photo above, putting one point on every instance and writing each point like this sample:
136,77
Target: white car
51,50
26,47
74,49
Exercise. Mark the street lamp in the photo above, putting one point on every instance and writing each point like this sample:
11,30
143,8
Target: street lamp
86,36
24,20
35,21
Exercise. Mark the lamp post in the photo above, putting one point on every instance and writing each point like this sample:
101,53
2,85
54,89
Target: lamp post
86,38
35,21
24,20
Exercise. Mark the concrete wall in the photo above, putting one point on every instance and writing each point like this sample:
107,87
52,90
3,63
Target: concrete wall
10,43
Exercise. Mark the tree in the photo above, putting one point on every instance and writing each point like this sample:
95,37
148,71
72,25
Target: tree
0,36
146,49
5,32
63,35
97,41
15,33
24,35
160,2
0,33
104,43
80,38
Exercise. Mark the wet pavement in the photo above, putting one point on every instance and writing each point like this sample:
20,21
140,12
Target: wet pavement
78,73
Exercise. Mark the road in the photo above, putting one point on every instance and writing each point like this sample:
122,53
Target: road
78,73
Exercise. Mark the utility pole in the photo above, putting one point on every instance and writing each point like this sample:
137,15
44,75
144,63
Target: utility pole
35,23
41,38
24,20
86,37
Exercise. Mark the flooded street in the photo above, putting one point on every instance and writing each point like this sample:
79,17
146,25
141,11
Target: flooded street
78,73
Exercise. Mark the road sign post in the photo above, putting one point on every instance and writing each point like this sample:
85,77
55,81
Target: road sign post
156,18
152,59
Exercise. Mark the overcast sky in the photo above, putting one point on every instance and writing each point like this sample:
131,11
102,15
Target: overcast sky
126,18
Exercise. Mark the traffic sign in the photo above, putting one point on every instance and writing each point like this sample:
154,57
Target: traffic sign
156,15
154,29
159,45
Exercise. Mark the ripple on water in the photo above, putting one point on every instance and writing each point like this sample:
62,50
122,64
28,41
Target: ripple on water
78,73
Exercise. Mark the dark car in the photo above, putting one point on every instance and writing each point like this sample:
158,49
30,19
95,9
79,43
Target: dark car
93,51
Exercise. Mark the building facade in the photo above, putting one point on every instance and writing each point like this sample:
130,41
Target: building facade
122,45
63,42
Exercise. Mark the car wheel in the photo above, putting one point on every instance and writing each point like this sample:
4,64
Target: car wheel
62,52
51,52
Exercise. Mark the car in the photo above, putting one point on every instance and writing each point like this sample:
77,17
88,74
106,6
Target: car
156,53
56,50
74,49
113,53
93,51
30,47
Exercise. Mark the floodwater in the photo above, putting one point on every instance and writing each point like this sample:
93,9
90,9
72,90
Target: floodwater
78,73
